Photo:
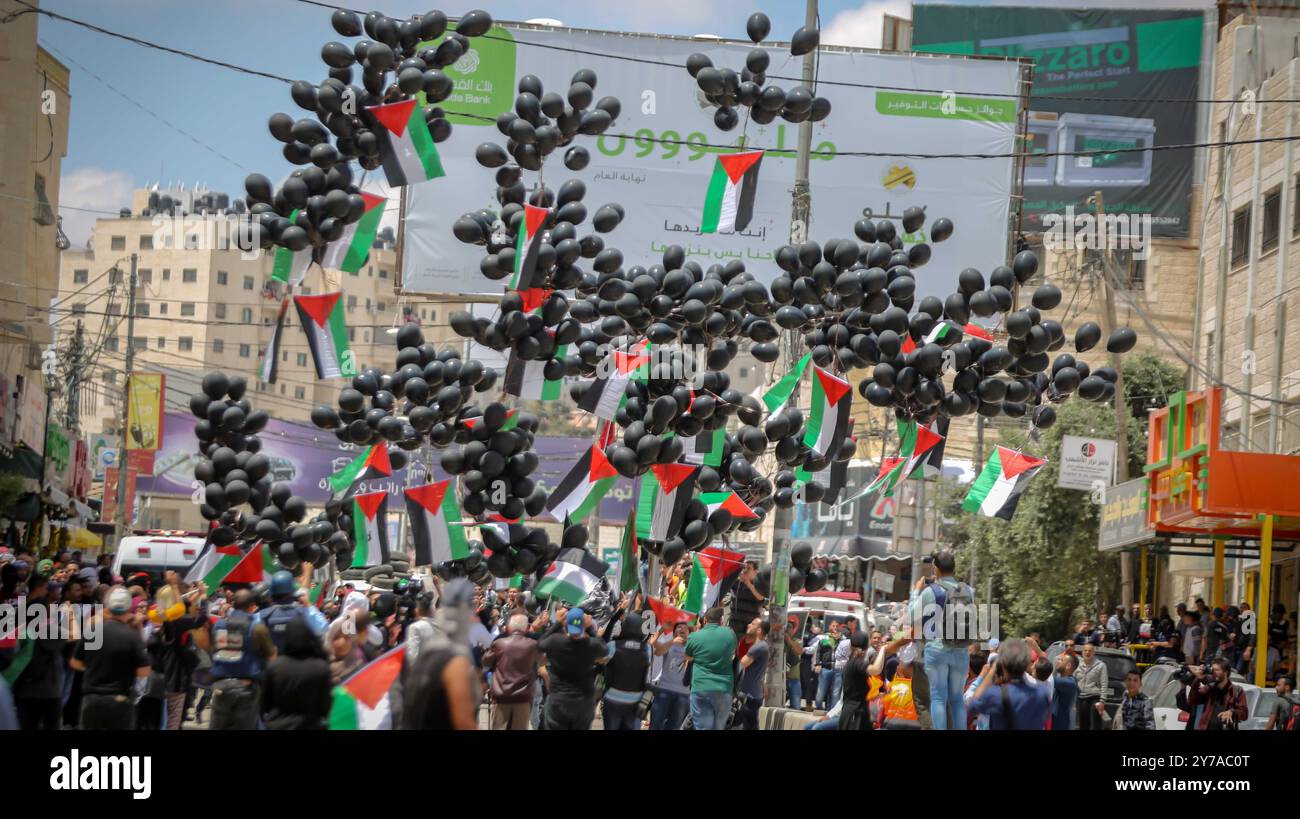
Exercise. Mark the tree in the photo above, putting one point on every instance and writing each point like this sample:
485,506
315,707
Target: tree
1044,563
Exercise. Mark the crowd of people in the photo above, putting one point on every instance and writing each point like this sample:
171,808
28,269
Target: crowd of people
161,653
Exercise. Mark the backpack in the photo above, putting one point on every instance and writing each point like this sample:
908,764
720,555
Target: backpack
958,609
1293,716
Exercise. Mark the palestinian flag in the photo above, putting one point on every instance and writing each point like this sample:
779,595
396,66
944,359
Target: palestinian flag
977,331
580,491
997,490
709,567
729,501
706,447
667,616
828,420
361,702
349,252
917,443
629,557
647,489
573,575
370,529
409,154
527,247
214,564
373,463
435,523
512,421
527,379
290,266
327,335
932,464
605,395
891,472
729,202
781,391
271,355
674,483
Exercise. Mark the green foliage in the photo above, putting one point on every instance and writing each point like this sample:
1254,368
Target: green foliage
1044,563
11,488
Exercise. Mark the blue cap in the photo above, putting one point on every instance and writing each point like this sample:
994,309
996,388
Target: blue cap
575,621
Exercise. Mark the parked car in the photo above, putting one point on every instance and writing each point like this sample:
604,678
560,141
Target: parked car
1160,683
1118,661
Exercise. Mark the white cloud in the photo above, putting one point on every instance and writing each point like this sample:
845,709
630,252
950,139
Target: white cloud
93,188
864,27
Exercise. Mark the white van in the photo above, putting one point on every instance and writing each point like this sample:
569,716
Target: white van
825,606
156,553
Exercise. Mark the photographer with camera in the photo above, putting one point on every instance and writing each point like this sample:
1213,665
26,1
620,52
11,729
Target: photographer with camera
420,631
1222,702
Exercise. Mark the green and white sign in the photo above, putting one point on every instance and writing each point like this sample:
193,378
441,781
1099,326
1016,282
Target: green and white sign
657,158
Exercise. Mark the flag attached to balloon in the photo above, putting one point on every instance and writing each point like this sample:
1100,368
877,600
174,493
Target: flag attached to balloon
579,492
327,334
436,530
828,419
370,529
350,251
407,148
606,394
290,266
674,484
573,575
373,463
527,379
775,398
271,355
729,201
528,245
997,490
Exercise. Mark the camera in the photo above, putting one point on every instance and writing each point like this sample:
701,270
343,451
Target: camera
1185,675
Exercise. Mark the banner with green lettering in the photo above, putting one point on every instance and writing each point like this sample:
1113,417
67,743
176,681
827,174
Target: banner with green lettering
1103,81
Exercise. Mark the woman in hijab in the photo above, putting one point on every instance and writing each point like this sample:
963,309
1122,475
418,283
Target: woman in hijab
344,654
296,685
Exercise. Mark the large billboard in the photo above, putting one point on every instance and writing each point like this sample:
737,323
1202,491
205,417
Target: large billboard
662,184
1104,80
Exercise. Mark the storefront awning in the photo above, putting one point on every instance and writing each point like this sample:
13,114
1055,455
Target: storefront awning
854,547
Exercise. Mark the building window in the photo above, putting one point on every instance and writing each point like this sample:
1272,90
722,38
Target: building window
352,334
146,241
189,275
80,276
246,315
365,336
383,274
306,291
222,277
110,344
367,304
115,309
433,314
299,393
162,308
1272,227
284,356
245,350
79,309
282,389
187,308
110,377
115,275
185,344
1241,236
144,275
139,343
1130,272
744,372
248,282
218,345
162,343
352,303
44,214
381,306
167,274
192,241
142,308
221,311
302,359
117,243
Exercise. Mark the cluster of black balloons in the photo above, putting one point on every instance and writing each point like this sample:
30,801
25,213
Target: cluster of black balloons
560,247
420,400
543,121
239,496
319,200
802,576
730,90
494,462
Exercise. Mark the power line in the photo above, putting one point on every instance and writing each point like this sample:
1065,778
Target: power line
34,201
655,140
145,109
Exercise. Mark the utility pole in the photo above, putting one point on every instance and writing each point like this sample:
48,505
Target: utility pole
800,216
123,514
72,411
1109,281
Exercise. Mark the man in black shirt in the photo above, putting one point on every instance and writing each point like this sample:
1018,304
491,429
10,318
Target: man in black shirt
38,689
112,655
570,673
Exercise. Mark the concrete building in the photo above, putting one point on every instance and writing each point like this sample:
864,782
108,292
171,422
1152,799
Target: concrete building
34,114
202,306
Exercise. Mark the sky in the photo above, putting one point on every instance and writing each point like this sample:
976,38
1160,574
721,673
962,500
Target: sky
190,122
117,144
